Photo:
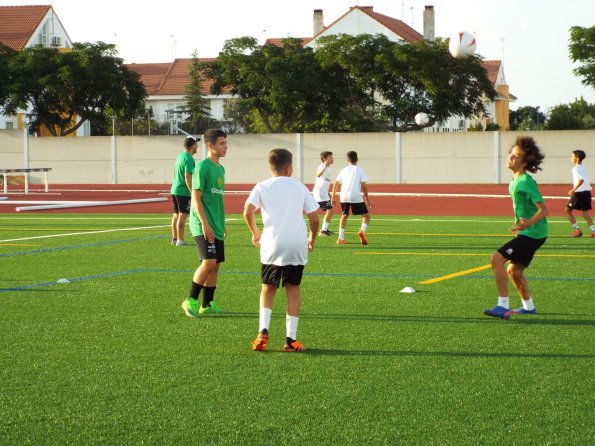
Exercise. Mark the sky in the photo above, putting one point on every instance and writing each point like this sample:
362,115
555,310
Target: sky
529,36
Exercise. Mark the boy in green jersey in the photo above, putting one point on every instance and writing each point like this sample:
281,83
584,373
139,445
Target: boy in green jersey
180,190
530,228
207,223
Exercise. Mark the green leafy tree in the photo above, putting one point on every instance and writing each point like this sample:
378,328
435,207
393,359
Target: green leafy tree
195,105
582,50
281,88
577,115
527,118
6,54
62,90
390,82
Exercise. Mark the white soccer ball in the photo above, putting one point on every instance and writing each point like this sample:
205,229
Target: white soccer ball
462,45
422,119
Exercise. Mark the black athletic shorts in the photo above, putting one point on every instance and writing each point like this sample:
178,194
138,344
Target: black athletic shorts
580,201
356,208
207,250
274,274
325,205
521,249
181,204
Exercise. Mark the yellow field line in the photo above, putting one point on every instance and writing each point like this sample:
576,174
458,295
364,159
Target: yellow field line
17,244
453,275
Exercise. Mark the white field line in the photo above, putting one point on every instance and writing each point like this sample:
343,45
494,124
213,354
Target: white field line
80,204
140,228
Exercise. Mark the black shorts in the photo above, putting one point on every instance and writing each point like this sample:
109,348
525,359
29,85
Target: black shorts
580,201
521,249
181,204
207,250
325,205
274,274
356,208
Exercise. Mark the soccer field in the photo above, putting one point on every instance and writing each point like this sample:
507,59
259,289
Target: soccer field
109,358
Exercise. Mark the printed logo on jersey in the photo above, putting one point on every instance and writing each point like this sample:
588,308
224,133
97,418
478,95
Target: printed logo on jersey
509,251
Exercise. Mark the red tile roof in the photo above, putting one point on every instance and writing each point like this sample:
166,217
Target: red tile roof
169,78
279,42
492,67
396,26
18,23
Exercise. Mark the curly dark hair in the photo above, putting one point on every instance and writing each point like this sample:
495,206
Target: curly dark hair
532,153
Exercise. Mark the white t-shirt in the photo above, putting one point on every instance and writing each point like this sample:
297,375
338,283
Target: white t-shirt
351,178
284,237
580,172
322,184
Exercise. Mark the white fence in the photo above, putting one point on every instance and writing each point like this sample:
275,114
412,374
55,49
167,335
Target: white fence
388,158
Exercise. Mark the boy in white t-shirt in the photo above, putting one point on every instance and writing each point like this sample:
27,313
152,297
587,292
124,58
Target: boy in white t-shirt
580,194
353,181
284,242
320,191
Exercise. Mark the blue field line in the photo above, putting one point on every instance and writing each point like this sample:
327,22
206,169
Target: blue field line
257,273
86,245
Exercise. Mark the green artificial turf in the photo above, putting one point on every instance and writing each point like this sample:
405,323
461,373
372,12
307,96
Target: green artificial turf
109,358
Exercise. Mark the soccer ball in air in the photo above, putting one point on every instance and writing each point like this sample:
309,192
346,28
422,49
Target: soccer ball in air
422,119
462,45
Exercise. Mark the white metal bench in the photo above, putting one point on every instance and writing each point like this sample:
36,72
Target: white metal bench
5,172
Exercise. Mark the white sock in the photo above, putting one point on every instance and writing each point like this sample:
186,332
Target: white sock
291,324
364,227
325,225
592,228
265,318
503,302
528,304
575,226
341,234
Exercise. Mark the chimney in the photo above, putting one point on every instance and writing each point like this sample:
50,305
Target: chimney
429,23
318,21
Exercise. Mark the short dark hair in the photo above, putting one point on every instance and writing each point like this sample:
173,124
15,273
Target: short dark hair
352,156
211,135
532,154
279,158
580,154
324,154
190,141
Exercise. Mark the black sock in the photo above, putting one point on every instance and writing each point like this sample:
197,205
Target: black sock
288,341
208,296
195,290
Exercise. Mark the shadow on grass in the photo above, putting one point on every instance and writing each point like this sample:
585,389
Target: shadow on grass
424,319
331,352
445,319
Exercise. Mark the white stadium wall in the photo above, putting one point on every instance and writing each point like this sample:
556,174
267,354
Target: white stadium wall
388,158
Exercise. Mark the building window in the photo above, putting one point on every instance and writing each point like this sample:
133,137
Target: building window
9,125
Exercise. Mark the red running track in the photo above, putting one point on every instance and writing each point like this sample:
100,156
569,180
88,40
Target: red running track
487,199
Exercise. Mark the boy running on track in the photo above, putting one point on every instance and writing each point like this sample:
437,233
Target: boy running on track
353,181
580,194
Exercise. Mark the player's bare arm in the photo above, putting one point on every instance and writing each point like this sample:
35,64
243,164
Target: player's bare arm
208,232
249,210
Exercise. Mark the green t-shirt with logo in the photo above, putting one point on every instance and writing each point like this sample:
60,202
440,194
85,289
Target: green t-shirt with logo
525,193
184,164
210,179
